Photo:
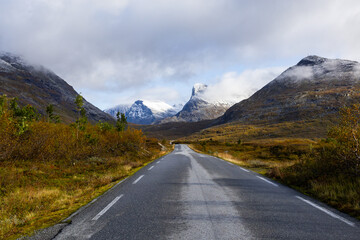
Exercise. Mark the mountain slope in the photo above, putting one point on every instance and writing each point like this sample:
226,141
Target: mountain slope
199,108
40,87
313,89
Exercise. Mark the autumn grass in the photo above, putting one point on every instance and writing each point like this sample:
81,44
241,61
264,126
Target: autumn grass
232,132
37,195
339,192
260,156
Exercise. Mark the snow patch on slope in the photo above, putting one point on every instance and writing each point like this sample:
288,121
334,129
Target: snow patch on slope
157,106
5,66
122,108
313,67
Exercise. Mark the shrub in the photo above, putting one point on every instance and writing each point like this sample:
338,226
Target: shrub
25,137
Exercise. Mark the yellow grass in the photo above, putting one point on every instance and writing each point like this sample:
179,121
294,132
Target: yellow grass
42,195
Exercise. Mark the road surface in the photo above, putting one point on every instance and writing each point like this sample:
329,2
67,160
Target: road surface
186,195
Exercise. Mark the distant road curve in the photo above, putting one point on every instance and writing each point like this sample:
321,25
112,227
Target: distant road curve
186,195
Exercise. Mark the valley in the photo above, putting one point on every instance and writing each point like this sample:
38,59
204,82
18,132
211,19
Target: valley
294,130
212,120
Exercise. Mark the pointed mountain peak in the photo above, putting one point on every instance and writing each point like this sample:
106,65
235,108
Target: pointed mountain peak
198,88
138,102
311,61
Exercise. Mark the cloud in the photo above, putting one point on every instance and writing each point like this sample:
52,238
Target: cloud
298,73
120,45
233,87
166,94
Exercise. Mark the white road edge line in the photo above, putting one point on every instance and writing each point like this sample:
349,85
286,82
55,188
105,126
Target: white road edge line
150,168
138,179
327,211
229,163
120,182
87,205
244,169
107,208
267,181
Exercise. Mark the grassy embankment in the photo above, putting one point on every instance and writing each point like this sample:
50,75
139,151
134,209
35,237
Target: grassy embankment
327,169
48,170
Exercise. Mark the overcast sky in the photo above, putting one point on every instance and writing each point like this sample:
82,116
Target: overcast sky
117,51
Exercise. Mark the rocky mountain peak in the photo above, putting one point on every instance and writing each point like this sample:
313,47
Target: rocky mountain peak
311,61
198,88
139,102
314,68
199,107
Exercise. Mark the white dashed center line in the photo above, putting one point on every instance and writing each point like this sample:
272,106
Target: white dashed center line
150,168
327,211
267,181
107,208
138,179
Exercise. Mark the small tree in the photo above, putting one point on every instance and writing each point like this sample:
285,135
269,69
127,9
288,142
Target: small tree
345,139
51,117
104,126
22,116
82,119
121,122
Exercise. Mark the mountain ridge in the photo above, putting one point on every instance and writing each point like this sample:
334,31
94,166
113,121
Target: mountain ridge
308,100
314,87
39,86
144,111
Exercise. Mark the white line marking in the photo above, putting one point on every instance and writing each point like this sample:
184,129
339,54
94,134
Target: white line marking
107,208
267,181
244,169
120,182
327,211
150,168
229,163
157,162
138,179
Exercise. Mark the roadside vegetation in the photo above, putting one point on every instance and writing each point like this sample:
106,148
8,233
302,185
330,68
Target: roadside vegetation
327,169
49,169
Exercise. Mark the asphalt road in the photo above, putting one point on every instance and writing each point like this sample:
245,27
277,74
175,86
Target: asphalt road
186,195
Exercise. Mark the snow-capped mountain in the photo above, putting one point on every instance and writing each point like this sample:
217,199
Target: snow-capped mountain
145,111
122,108
315,88
200,107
